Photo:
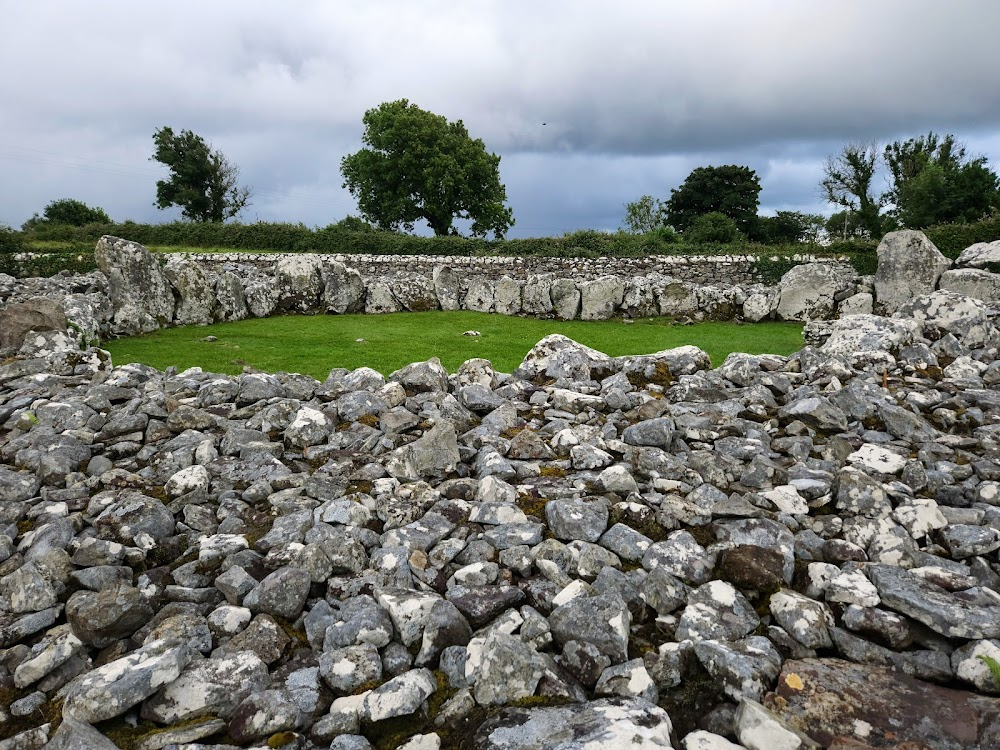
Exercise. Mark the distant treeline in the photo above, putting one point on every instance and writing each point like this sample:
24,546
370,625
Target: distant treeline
65,244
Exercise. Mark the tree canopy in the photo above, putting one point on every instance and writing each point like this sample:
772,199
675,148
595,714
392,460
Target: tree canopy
931,181
68,211
731,190
935,182
203,182
847,182
418,165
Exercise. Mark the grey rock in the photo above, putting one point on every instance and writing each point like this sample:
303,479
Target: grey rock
602,621
908,265
112,689
745,669
609,722
140,293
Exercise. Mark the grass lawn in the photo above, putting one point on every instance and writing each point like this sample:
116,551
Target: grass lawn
314,344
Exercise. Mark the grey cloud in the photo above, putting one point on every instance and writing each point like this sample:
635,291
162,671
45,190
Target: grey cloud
632,95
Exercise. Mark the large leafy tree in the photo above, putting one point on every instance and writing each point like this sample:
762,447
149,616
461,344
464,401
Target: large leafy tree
731,190
847,182
935,182
68,211
418,165
203,182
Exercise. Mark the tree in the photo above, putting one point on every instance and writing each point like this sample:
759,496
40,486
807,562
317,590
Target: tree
934,182
645,215
203,182
418,165
68,211
730,189
847,182
787,227
714,226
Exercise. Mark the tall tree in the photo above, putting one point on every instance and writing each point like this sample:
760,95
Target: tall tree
848,180
203,182
418,165
731,190
645,215
68,211
935,182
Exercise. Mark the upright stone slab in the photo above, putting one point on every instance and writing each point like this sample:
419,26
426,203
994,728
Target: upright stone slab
36,314
909,265
196,291
808,292
298,279
141,295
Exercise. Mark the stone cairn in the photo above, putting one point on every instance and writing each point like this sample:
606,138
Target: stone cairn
589,552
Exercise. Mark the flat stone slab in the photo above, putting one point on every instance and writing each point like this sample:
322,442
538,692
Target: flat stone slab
831,698
972,614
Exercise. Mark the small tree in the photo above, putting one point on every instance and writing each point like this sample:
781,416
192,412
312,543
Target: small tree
645,215
203,182
68,211
787,227
731,190
847,182
418,165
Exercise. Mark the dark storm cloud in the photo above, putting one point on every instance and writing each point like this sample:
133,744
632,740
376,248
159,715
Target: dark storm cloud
633,95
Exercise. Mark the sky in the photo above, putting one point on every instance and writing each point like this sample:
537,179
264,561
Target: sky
590,104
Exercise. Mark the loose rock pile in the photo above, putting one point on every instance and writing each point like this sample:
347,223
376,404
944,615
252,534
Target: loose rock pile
644,552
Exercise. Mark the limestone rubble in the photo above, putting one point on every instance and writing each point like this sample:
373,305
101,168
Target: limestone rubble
592,551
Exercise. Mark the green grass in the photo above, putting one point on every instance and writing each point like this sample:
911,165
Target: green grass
313,345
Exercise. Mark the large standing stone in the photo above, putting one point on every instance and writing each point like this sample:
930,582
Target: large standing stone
600,298
447,287
343,289
565,299
195,290
415,292
232,302
298,279
536,297
809,291
507,296
141,295
909,265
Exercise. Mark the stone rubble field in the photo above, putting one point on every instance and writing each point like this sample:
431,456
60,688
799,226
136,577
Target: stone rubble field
590,552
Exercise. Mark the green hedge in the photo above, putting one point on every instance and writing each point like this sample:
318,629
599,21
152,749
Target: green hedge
952,239
297,238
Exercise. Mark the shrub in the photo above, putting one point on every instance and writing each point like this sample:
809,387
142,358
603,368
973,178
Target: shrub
713,227
952,239
11,241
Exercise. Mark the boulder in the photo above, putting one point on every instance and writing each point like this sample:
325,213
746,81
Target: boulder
809,291
980,255
343,289
298,281
557,356
831,699
141,294
610,722
19,318
600,298
972,282
195,289
909,265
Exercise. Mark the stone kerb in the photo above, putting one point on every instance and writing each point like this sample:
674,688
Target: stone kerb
209,288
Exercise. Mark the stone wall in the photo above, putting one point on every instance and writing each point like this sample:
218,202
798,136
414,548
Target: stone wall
695,269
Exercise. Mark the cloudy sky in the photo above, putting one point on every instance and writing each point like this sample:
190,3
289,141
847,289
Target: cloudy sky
589,103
